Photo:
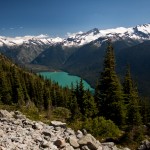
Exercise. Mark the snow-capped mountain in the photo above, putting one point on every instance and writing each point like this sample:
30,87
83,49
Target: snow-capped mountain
41,39
140,32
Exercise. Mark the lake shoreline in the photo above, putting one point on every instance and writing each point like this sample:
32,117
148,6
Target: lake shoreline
64,78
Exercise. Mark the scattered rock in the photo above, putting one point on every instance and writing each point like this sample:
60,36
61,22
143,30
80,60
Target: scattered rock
5,114
84,132
73,142
20,133
79,134
37,126
89,141
109,144
46,133
44,144
60,143
58,124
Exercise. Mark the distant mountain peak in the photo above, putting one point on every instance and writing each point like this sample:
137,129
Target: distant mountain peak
94,31
139,32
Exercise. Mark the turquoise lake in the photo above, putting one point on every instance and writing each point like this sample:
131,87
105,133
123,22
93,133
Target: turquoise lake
64,79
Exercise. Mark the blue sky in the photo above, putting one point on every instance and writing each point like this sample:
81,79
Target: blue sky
59,17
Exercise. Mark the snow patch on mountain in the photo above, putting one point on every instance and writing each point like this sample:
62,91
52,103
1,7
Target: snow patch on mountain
144,28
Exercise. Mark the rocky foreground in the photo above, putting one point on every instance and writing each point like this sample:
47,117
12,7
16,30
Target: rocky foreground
19,133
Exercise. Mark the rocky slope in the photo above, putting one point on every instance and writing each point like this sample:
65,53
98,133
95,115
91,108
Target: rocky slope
19,133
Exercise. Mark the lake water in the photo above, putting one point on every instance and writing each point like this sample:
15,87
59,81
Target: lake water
64,79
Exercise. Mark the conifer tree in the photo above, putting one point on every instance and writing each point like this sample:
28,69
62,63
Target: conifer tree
145,110
5,95
131,100
73,104
109,94
80,95
17,91
89,105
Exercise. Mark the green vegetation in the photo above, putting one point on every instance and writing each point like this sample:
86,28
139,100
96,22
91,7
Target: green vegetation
101,127
109,94
115,111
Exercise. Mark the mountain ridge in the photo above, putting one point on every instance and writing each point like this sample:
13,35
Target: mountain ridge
139,32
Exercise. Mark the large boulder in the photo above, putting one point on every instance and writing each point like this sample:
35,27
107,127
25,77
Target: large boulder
89,141
73,142
5,114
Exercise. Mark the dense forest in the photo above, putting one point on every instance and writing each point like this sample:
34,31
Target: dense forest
115,110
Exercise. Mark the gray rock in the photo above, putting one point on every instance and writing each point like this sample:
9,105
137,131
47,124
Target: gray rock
19,115
90,141
44,144
68,147
5,114
2,148
106,148
85,147
27,123
38,139
84,132
37,126
125,148
73,142
58,124
1,133
60,143
109,144
100,148
70,131
79,134
47,133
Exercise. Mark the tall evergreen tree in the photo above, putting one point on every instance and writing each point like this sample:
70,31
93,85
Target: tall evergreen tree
89,105
109,94
80,95
17,91
131,100
5,92
73,104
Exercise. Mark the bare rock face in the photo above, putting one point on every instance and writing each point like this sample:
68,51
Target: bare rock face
19,133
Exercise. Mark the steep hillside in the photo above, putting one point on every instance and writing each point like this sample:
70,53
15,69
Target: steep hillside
24,89
138,58
54,57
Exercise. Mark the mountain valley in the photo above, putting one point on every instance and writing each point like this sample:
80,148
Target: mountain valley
82,53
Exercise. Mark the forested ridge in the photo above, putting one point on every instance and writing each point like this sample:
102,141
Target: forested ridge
115,110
